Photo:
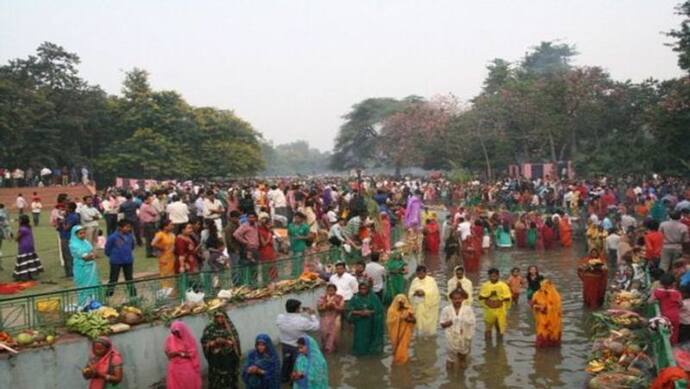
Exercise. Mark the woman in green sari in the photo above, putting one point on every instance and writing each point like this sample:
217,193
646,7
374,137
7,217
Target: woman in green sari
221,345
365,311
85,268
311,369
395,280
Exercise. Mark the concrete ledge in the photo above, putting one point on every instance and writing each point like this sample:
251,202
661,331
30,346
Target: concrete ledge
142,348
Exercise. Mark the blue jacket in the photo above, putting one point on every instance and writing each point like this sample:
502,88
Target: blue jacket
119,248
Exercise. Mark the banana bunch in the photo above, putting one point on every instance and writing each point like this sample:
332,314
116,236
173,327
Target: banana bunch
595,366
91,324
214,304
107,312
128,309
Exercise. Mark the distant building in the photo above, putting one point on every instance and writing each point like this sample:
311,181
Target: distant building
561,169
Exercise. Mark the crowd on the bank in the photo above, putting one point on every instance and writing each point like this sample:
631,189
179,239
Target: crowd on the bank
40,177
241,225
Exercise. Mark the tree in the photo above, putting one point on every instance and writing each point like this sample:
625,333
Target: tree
682,36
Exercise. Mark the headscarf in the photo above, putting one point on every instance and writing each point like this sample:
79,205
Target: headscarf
78,247
185,342
548,324
313,366
103,364
395,315
225,331
268,362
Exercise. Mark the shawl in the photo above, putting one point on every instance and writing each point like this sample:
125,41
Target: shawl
313,366
78,247
465,284
268,362
427,307
368,332
105,363
413,212
548,320
227,331
185,342
395,320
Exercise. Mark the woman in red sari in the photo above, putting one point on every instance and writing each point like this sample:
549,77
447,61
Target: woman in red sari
105,364
477,236
385,231
432,236
565,230
267,254
547,234
186,250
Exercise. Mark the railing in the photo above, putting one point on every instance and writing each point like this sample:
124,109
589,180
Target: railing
51,309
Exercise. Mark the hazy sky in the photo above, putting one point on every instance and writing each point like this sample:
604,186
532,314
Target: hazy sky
294,67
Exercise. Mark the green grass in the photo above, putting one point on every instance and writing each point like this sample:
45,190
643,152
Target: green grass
53,277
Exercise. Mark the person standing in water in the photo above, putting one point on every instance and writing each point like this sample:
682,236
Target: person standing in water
459,323
425,299
495,298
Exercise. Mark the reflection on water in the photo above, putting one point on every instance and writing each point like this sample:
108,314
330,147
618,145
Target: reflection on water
514,363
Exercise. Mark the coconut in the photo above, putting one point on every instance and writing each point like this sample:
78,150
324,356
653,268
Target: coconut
24,339
131,318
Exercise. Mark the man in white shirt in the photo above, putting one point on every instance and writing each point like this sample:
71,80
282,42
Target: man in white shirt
178,213
345,282
36,207
199,206
464,228
293,325
376,273
213,210
611,245
628,222
277,201
89,219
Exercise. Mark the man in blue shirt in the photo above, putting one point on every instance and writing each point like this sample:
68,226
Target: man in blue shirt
119,248
64,228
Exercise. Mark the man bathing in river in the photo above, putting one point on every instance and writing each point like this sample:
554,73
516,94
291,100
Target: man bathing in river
495,298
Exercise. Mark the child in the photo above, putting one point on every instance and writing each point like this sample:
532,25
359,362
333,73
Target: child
217,260
533,281
100,243
670,302
516,282
684,331
459,322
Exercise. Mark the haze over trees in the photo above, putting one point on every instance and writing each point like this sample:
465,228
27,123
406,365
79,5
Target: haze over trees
538,108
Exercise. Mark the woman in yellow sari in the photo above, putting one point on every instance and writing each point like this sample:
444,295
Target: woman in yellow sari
425,298
400,321
164,244
546,304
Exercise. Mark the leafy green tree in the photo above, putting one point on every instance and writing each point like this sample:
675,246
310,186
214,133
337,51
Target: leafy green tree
682,36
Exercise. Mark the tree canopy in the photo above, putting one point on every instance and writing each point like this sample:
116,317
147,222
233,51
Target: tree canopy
50,116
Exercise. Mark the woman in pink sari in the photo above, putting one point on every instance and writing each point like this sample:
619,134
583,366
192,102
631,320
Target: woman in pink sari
331,306
184,369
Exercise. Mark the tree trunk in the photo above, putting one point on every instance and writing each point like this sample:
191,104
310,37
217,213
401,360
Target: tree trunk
489,176
397,170
552,146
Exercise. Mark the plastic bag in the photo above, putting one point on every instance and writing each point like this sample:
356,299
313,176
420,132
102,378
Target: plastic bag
194,297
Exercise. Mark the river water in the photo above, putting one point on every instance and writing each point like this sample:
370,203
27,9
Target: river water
514,363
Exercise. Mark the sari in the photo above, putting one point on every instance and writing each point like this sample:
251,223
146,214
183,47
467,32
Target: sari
183,373
593,283
223,363
165,244
331,308
498,315
85,272
432,237
532,238
395,280
313,366
520,235
185,250
413,212
399,329
104,364
385,229
268,361
426,308
565,230
367,338
503,237
547,315
547,236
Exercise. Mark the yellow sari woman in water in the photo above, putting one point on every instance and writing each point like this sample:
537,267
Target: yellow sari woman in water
400,322
546,304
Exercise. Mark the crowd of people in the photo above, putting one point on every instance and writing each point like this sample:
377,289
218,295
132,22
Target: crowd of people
373,228
41,177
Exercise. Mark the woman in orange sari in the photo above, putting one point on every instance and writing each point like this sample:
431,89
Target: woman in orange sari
164,243
385,231
400,321
546,305
565,231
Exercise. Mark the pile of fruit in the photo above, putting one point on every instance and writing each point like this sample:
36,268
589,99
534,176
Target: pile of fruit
90,324
623,299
